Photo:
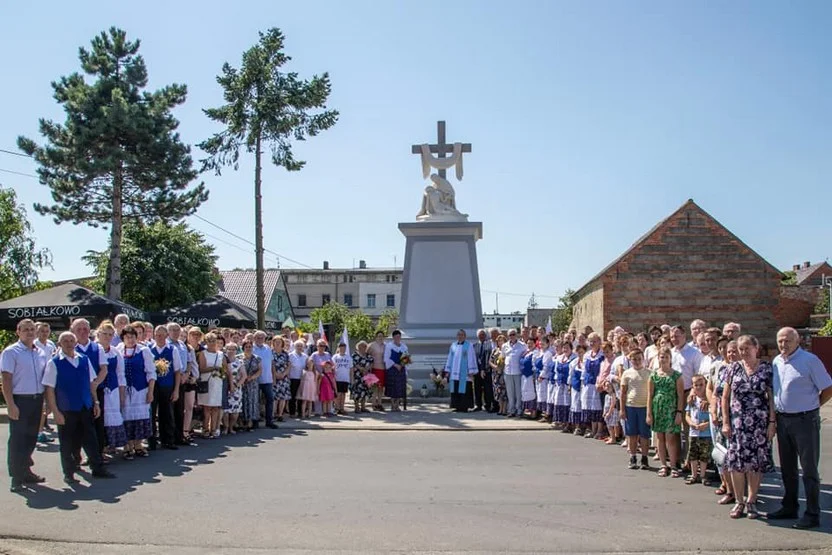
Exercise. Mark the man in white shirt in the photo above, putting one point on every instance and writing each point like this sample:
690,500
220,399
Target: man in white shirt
179,347
70,382
22,365
707,346
686,360
297,362
697,327
42,329
119,322
513,351
81,329
266,376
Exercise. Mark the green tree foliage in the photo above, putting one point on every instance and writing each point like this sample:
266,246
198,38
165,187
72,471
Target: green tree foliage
265,105
826,330
562,316
822,307
388,321
789,278
117,156
359,325
164,266
20,259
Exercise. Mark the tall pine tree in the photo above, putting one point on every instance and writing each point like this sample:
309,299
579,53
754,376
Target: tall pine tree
265,105
118,155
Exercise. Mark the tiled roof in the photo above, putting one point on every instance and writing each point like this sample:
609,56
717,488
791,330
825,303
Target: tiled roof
803,274
687,205
240,286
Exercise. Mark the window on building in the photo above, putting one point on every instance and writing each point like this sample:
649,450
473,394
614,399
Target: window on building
371,300
391,300
301,300
325,299
348,299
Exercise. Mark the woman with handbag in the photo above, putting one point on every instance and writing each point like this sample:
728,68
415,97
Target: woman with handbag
751,426
251,387
728,355
212,375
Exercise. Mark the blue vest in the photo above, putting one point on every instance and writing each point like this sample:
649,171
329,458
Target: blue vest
111,382
592,368
538,366
562,371
72,386
94,354
576,379
167,354
526,368
134,371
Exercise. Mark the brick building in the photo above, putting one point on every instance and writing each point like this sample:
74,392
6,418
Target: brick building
807,274
688,266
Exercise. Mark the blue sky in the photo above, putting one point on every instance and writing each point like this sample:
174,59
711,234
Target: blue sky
590,121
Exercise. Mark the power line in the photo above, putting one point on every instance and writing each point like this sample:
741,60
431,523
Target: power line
209,222
3,150
521,294
19,173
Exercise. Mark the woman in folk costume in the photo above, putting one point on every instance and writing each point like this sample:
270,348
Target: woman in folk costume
591,407
115,386
549,369
396,359
576,370
563,391
460,369
541,364
528,379
140,377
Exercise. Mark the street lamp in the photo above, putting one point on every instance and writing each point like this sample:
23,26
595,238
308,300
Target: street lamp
827,282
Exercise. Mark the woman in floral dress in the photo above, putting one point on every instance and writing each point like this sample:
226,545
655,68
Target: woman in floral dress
498,379
251,389
665,400
362,363
747,397
236,378
282,386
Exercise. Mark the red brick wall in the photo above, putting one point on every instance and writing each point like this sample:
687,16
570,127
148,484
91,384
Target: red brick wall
692,267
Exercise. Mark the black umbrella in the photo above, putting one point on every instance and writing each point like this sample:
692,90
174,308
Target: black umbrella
213,312
61,304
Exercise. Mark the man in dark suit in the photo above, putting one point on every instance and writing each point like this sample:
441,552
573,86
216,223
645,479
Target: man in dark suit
483,387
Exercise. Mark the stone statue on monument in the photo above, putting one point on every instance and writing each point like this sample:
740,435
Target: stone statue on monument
439,198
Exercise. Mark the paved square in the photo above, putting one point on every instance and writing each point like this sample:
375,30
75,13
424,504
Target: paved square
406,489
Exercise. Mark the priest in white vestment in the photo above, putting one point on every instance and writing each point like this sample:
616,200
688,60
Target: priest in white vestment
459,371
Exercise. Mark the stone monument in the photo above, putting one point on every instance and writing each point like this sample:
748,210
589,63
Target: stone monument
441,285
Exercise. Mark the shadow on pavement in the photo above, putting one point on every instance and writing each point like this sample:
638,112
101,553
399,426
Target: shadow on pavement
130,475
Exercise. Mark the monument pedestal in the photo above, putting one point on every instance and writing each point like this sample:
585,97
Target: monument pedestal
440,292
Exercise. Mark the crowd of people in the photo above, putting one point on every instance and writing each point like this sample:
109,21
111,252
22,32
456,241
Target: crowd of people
125,389
713,401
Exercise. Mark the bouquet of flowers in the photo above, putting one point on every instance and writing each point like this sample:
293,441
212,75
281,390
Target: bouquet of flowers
438,379
405,360
370,379
218,372
162,367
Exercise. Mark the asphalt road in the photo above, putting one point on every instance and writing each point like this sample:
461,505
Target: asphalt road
372,491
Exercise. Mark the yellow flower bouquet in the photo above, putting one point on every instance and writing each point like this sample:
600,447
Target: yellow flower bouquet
162,367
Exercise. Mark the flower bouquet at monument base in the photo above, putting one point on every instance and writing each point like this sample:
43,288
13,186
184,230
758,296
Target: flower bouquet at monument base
439,381
162,367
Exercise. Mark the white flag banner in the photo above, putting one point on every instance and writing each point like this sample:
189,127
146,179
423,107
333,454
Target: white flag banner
345,339
549,326
321,332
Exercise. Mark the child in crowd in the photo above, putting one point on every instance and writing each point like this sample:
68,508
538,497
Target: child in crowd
308,390
609,384
343,364
634,391
699,421
576,370
327,389
665,401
